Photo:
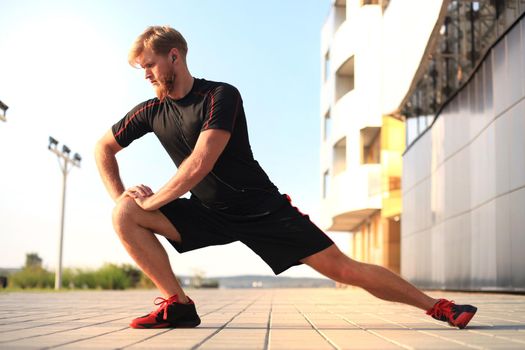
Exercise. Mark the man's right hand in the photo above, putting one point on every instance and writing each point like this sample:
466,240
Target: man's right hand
139,191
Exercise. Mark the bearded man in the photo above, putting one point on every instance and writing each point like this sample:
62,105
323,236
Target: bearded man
202,126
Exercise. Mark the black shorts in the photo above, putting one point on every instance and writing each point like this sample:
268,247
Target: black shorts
277,231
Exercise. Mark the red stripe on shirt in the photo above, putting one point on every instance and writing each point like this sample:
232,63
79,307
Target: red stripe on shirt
289,199
134,115
212,107
211,111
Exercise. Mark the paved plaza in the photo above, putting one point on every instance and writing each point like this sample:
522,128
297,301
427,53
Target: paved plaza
255,319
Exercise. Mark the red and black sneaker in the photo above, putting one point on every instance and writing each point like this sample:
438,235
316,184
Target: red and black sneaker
456,315
170,314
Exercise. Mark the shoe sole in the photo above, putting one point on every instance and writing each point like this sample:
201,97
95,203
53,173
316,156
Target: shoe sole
463,319
189,324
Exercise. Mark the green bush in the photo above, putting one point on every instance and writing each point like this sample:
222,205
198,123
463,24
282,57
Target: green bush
78,278
133,274
111,276
85,279
32,277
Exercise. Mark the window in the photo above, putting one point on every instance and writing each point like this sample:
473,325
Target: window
371,147
340,156
411,130
339,13
326,183
326,66
327,130
344,79
369,2
415,126
394,183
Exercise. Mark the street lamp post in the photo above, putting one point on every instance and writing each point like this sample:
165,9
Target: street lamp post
3,110
66,162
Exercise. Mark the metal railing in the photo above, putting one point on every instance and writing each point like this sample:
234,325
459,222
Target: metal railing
468,31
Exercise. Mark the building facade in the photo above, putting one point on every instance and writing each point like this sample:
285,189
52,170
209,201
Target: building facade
450,74
362,133
464,169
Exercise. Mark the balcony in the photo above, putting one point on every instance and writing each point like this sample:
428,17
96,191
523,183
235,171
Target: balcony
344,78
353,195
336,17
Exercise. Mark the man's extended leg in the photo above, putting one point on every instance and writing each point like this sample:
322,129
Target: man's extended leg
377,280
386,285
135,228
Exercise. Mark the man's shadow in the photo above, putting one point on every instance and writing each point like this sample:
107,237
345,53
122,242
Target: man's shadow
516,327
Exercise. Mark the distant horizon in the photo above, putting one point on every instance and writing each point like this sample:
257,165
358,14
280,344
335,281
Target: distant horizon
320,277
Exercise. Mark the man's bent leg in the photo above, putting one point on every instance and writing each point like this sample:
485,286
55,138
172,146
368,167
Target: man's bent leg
377,280
135,228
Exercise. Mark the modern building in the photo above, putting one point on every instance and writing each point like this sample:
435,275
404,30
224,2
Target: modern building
463,180
431,95
361,144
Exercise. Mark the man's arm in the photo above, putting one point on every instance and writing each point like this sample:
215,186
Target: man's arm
209,146
105,151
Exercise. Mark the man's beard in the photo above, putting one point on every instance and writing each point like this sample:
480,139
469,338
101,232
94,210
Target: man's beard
166,84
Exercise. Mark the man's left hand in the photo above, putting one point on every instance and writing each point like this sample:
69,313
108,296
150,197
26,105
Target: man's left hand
146,203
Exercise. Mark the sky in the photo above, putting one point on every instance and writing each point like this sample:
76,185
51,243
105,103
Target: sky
64,73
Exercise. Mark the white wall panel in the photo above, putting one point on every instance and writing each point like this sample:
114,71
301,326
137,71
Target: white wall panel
517,236
517,146
502,130
503,242
515,66
439,244
465,205
500,78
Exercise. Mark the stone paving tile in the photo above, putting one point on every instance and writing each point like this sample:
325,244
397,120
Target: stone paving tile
176,339
237,339
255,319
298,339
358,339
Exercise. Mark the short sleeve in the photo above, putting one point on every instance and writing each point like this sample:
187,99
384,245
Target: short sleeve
136,123
222,109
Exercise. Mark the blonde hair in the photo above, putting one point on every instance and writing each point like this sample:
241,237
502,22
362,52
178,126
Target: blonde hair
160,39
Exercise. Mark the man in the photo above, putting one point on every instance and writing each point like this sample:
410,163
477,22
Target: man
202,126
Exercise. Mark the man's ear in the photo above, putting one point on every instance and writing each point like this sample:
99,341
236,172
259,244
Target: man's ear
174,54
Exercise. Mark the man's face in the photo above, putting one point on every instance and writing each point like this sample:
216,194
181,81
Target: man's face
159,70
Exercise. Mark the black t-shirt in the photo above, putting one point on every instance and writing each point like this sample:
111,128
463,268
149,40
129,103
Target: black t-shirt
237,180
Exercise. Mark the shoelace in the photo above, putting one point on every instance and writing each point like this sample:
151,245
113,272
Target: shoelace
442,308
164,303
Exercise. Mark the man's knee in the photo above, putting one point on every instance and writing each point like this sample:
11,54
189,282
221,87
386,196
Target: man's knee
124,213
